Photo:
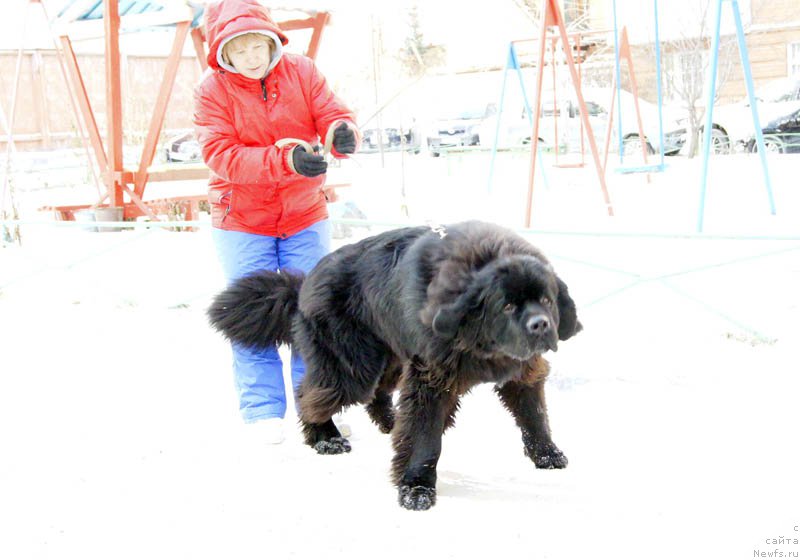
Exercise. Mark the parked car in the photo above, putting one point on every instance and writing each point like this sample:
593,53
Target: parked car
183,148
515,128
732,128
345,210
459,127
395,136
781,136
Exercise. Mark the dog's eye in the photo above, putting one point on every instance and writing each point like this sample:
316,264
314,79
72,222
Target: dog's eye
509,308
546,301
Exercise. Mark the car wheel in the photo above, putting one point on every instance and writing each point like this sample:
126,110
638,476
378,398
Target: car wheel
720,143
772,145
632,145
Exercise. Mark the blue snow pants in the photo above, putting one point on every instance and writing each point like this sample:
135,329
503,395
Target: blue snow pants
258,374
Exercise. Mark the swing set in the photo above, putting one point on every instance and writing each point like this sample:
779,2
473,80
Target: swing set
552,31
551,17
751,96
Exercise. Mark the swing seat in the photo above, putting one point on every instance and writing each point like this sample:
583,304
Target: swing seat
655,168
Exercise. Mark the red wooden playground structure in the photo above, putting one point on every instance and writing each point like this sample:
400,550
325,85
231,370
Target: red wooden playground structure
125,187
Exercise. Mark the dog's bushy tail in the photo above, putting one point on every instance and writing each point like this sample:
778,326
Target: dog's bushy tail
257,310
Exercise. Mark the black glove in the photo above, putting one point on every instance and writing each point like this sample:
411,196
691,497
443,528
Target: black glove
309,165
344,139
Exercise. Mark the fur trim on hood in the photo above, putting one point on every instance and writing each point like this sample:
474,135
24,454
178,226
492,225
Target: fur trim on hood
230,18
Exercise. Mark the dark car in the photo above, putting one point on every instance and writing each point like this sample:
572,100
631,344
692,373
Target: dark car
392,138
183,148
781,135
460,127
345,211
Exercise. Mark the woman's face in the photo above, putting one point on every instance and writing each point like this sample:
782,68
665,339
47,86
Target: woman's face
250,56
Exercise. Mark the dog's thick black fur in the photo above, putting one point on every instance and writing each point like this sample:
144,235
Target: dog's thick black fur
430,315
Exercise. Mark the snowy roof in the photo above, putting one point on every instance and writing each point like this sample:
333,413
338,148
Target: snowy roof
134,14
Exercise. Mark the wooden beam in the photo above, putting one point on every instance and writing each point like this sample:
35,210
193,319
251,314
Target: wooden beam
160,109
320,21
199,48
40,97
139,203
79,89
113,101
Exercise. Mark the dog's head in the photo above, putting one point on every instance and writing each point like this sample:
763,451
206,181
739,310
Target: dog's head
514,306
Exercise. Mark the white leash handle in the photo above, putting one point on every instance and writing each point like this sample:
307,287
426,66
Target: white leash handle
286,141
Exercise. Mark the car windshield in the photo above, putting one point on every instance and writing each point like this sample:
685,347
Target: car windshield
779,91
464,114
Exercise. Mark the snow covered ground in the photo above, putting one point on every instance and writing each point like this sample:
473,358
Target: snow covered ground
677,406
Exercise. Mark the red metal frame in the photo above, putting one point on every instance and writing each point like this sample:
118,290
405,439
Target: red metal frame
556,111
118,180
551,17
625,52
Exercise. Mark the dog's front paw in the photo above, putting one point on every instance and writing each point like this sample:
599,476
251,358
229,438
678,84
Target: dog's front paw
417,498
385,424
547,456
382,416
332,446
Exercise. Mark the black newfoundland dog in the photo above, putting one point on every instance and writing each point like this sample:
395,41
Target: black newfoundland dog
429,312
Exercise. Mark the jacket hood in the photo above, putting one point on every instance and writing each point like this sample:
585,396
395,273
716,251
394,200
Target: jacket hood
228,18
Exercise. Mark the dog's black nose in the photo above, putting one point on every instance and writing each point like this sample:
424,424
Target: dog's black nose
538,324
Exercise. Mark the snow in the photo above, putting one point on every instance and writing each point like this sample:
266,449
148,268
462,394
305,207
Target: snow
677,406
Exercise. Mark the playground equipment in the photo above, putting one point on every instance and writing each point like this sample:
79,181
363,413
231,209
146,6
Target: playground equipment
512,63
552,17
622,49
124,188
712,90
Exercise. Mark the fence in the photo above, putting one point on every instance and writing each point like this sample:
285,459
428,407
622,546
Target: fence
44,117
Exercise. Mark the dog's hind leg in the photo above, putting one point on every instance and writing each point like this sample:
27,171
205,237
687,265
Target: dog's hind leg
525,400
317,407
325,438
381,411
341,370
381,408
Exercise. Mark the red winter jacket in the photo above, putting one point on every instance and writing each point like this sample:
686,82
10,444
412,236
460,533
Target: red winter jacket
253,186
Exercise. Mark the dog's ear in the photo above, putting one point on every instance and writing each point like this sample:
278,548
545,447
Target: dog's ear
449,317
568,324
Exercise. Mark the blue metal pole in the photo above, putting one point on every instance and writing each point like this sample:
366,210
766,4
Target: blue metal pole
528,108
658,86
712,88
510,62
748,80
529,112
619,83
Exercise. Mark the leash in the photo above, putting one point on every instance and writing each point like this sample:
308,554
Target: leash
438,229
326,148
308,147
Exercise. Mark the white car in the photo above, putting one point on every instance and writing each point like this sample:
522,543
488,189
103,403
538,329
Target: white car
733,122
459,126
516,128
183,148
